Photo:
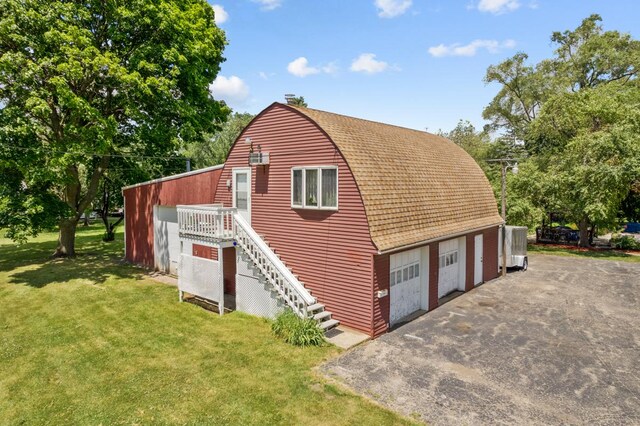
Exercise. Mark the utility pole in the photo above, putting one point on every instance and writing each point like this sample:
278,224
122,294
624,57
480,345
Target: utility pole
505,163
503,166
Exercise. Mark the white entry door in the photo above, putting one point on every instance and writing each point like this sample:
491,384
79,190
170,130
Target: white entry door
478,262
242,192
166,242
448,273
405,273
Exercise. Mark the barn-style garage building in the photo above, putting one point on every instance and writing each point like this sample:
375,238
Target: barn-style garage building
360,222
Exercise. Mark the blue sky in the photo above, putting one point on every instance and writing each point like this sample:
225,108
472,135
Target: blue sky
413,63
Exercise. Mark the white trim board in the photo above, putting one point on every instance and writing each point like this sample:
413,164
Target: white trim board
172,177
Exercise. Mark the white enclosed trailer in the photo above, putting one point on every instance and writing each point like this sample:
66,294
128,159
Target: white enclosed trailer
516,247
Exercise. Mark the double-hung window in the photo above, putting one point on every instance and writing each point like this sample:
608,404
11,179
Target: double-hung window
314,187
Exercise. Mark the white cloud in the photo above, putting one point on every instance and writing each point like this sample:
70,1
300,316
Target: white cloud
221,14
498,7
331,68
269,4
457,49
367,63
233,90
300,67
392,8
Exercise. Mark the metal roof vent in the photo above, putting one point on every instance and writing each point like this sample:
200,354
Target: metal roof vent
290,98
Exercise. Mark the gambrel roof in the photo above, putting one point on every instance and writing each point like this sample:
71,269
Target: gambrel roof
415,186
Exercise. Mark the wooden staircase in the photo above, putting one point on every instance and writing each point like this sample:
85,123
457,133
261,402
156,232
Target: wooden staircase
271,269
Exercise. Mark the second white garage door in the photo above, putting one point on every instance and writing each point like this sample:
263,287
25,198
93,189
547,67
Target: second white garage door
451,267
166,242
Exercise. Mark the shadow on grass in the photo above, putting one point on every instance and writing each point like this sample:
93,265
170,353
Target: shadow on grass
96,260
88,240
94,268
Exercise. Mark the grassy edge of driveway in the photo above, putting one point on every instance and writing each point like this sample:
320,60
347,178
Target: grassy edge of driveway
614,255
93,341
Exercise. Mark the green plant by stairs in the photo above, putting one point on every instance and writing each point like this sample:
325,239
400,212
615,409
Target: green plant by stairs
297,331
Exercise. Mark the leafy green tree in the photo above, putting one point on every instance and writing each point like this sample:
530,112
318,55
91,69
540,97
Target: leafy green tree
523,89
577,113
600,160
589,56
82,81
297,101
526,199
215,147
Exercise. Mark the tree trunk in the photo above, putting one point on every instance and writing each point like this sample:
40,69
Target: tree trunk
583,226
67,238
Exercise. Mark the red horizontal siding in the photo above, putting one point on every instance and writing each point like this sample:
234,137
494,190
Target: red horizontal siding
434,274
139,201
471,259
381,305
331,251
206,252
490,253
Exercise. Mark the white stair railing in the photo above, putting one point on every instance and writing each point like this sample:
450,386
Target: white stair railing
275,271
207,222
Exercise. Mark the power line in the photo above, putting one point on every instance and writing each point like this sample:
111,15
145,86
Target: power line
97,154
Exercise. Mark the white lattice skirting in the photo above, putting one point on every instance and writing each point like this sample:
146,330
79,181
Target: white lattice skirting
253,296
200,277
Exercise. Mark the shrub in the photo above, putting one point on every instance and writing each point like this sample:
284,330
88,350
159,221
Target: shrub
625,242
297,331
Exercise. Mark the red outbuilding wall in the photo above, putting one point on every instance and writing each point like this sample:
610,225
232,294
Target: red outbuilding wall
331,251
197,187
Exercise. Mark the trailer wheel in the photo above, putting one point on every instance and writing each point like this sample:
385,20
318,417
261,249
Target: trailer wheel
525,264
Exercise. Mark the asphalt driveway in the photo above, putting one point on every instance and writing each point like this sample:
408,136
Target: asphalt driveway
558,344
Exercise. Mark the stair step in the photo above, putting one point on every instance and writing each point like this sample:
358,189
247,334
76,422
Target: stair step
322,315
315,307
327,325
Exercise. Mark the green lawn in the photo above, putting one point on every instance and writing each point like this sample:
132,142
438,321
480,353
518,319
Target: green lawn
615,255
92,341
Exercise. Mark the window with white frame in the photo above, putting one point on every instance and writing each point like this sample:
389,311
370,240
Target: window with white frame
404,273
314,187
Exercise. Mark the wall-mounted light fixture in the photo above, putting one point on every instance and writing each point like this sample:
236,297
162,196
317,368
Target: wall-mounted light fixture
228,183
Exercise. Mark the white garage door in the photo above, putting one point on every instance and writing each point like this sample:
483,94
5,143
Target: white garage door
405,274
449,267
166,243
